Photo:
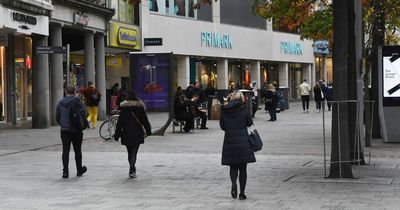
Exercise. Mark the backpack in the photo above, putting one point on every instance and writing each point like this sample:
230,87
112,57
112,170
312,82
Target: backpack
94,97
77,117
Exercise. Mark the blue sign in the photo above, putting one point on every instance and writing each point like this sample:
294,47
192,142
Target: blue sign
294,48
321,47
216,40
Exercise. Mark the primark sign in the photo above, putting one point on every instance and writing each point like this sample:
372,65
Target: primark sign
293,48
216,40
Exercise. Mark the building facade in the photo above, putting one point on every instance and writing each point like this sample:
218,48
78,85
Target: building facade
224,45
23,94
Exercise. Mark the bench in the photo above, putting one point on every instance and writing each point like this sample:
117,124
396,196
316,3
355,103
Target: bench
179,123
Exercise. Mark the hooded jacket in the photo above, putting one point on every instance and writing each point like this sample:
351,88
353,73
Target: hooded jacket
128,128
235,118
63,112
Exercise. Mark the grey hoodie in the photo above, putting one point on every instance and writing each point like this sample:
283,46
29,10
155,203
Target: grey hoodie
63,109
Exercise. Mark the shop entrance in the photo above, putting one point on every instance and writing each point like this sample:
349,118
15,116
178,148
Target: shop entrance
295,80
23,77
3,91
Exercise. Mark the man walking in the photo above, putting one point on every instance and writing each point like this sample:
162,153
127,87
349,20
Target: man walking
69,132
305,95
92,98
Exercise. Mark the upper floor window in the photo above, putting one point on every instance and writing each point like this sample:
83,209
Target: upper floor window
124,12
184,8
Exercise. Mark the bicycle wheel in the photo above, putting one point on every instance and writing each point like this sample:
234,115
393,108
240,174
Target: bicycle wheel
113,125
104,131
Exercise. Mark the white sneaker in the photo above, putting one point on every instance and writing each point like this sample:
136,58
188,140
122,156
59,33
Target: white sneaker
132,175
318,111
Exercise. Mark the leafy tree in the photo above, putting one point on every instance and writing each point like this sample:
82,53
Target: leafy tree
313,19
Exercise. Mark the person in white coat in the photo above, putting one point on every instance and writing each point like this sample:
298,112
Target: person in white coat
305,95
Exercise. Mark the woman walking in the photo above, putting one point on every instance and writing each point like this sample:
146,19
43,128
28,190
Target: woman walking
129,127
271,102
236,150
318,96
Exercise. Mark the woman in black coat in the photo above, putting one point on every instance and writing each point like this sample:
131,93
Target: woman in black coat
129,128
318,97
236,150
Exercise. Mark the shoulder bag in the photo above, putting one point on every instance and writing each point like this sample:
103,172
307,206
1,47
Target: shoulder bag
255,140
144,130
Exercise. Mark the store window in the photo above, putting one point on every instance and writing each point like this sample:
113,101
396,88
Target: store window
205,72
295,80
184,8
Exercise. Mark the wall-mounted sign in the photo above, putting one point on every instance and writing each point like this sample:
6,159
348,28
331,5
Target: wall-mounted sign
216,40
28,19
127,36
81,19
51,50
153,42
321,47
293,48
115,61
124,36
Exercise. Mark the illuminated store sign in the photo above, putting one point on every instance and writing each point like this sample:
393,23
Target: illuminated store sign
16,16
216,40
127,36
293,48
124,36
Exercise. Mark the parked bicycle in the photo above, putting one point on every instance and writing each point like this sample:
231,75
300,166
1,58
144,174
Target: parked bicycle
107,128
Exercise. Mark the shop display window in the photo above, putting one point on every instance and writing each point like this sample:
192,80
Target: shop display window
206,73
3,92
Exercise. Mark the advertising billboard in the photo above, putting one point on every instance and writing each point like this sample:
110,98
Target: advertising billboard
391,75
150,76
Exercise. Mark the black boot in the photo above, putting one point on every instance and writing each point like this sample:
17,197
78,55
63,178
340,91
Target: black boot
81,171
65,174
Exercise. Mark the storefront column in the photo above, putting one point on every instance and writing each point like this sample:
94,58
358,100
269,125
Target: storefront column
57,78
183,71
89,58
307,73
222,72
255,73
101,74
10,83
40,85
283,75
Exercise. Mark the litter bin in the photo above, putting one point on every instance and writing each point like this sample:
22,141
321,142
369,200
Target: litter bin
215,109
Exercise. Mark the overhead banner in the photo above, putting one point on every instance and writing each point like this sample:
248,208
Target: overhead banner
124,36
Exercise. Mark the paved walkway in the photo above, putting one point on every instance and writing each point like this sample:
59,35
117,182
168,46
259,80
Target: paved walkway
183,171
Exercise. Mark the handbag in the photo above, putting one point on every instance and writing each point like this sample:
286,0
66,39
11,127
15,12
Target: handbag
144,130
255,140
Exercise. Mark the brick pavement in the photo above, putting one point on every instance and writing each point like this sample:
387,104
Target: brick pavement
183,171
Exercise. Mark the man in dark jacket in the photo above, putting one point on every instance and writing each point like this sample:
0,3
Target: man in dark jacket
69,133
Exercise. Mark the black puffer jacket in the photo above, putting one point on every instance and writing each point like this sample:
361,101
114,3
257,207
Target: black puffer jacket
235,118
128,128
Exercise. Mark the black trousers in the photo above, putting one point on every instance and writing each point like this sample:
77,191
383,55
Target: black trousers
132,156
305,101
68,137
241,171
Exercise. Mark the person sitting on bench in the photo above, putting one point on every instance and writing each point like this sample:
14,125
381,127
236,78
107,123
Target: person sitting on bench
182,112
198,111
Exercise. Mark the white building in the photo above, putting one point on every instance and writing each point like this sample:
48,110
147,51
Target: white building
224,44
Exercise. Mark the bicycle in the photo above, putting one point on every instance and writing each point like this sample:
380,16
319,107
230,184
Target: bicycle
108,127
